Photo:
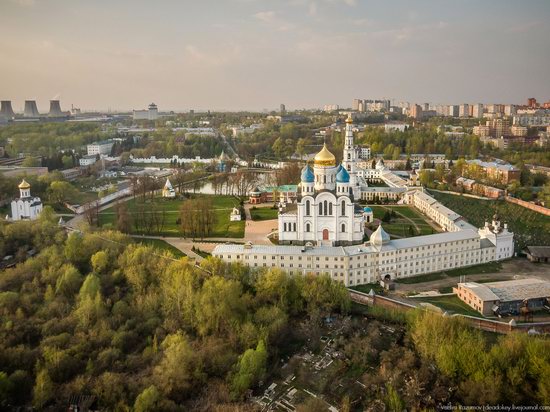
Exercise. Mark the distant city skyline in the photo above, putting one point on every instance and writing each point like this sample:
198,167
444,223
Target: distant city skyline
254,55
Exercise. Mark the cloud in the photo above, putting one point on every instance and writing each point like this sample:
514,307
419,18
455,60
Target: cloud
265,16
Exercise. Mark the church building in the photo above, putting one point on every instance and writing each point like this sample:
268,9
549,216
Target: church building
326,212
26,207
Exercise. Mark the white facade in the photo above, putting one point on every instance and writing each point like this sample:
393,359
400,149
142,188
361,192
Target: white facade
26,207
168,190
235,215
401,127
152,113
87,160
379,258
100,148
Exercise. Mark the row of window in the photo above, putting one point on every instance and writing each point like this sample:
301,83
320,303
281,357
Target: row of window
325,208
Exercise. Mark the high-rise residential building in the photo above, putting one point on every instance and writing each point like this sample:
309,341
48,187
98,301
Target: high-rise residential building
477,110
509,110
355,104
518,131
453,110
416,111
330,107
532,102
482,130
501,127
282,108
464,110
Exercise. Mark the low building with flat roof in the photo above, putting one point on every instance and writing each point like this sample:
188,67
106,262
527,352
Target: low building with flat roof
506,297
539,254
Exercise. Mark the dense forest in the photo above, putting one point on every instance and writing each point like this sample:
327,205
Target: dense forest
48,139
94,314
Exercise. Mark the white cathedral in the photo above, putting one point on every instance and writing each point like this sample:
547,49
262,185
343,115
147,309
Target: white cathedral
326,212
324,230
26,207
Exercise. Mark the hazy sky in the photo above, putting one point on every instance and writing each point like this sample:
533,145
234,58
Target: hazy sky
255,54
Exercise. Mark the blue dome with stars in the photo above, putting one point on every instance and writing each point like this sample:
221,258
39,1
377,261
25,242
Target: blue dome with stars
342,176
307,175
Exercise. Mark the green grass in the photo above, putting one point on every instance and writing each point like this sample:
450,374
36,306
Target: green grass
222,206
430,277
81,198
451,304
490,267
365,288
399,225
530,228
161,245
264,213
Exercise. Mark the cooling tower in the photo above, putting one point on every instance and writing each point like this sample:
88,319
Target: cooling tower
55,109
30,109
5,110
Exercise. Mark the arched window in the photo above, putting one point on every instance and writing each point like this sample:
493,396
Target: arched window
324,178
343,208
343,228
307,208
307,227
320,209
330,209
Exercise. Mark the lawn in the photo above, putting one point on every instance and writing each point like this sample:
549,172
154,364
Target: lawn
264,213
451,304
222,206
81,198
366,288
161,245
430,277
530,228
490,267
406,216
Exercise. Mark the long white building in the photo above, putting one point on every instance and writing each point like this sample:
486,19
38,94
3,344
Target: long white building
323,232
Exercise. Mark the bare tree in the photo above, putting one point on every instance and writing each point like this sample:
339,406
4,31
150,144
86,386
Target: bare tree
91,212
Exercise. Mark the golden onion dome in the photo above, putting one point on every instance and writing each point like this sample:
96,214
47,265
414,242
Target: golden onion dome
324,158
24,185
349,119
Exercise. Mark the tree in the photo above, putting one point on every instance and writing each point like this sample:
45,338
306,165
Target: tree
61,191
250,369
43,390
545,194
100,261
148,400
30,161
178,369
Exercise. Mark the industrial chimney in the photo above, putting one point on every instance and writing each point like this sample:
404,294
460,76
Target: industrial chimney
55,109
30,109
6,111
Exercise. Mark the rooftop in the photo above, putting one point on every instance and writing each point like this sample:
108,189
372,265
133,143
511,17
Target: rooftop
501,166
510,290
539,251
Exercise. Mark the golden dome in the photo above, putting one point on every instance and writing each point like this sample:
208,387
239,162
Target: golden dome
349,119
324,158
24,185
